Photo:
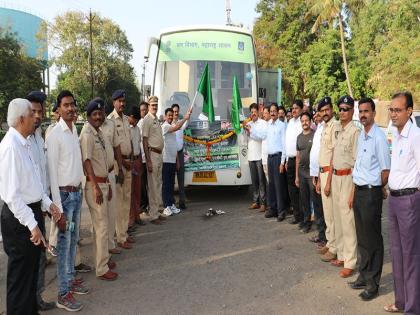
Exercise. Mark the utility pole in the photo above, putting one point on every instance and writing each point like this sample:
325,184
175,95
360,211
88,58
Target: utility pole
143,77
228,10
91,17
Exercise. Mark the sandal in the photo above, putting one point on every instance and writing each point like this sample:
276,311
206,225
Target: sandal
392,309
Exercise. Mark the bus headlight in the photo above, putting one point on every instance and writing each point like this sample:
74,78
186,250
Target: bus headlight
239,174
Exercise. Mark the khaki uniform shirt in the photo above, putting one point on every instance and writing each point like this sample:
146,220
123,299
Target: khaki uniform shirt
345,146
111,139
123,132
92,144
325,151
153,131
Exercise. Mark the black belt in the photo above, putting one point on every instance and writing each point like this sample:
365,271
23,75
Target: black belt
275,154
364,187
403,192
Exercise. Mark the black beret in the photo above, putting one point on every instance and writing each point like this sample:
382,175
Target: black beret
94,105
55,107
348,100
323,102
36,96
118,94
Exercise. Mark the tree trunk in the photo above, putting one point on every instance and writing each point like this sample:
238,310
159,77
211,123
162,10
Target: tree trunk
343,51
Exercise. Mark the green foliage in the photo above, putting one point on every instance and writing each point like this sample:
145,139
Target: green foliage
19,74
69,35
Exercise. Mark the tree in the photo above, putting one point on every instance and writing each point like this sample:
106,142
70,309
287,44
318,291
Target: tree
19,74
69,37
329,11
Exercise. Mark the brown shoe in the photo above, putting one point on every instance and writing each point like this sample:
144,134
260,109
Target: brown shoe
337,263
328,256
109,276
346,272
262,208
254,206
323,250
115,251
111,265
131,239
162,218
125,245
157,222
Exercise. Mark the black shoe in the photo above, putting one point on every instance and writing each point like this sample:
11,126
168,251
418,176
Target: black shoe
367,296
46,306
82,268
182,206
270,215
281,218
301,225
305,229
356,285
293,221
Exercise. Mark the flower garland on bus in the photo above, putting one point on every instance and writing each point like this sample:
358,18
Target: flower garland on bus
208,144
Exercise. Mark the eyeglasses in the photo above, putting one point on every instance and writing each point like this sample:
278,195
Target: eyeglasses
396,110
344,109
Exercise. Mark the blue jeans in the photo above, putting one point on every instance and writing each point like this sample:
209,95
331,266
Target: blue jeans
168,183
67,241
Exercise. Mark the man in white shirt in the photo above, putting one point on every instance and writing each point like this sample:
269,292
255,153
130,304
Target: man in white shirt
180,172
404,206
144,203
294,128
37,99
65,170
275,136
255,159
170,160
264,154
22,220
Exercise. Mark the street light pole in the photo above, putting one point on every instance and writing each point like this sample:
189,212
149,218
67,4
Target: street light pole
91,17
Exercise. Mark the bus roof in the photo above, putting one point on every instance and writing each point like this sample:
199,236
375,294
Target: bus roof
206,27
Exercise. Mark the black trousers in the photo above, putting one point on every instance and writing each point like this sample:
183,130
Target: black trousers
42,265
144,203
180,176
305,198
318,212
258,182
293,190
22,264
367,207
275,185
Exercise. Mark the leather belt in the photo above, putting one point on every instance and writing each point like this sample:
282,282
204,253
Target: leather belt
403,192
98,179
275,154
126,157
155,150
135,157
111,169
364,187
69,188
324,169
344,172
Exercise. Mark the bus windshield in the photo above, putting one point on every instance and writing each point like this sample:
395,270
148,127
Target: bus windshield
182,57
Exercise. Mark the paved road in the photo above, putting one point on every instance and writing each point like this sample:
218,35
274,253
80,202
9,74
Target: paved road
237,263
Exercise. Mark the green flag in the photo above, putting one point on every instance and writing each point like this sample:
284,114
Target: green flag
204,88
236,105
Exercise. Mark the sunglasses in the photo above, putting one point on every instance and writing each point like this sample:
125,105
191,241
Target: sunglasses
344,109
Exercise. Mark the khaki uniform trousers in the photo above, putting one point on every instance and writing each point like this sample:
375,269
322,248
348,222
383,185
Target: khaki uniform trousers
345,228
135,192
112,212
327,205
154,182
99,215
123,198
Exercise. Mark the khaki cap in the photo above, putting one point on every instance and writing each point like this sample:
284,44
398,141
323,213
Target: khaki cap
153,100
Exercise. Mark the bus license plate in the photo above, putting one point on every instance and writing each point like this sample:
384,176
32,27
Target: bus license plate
204,177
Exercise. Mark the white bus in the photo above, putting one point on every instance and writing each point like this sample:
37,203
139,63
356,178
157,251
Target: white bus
213,155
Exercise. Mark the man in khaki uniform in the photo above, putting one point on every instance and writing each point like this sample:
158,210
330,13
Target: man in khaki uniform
123,189
344,157
325,109
153,146
98,192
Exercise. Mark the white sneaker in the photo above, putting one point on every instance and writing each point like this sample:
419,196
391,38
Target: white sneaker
167,212
175,210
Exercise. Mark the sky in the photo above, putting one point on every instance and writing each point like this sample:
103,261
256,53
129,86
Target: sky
142,19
